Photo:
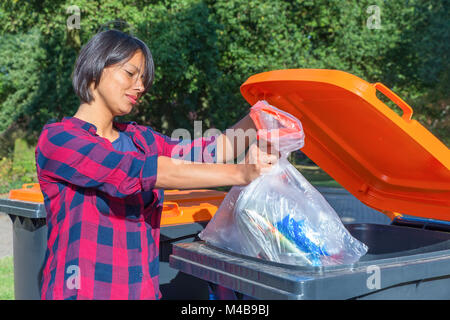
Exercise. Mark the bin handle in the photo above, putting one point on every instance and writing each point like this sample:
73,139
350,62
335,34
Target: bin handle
407,110
171,209
29,185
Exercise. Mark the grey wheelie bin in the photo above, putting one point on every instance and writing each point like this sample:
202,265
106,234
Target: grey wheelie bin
185,213
402,263
29,240
388,161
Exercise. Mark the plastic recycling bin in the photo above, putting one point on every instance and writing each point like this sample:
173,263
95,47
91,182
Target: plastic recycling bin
185,213
29,239
402,263
388,161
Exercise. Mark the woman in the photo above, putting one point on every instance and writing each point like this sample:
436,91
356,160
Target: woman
103,180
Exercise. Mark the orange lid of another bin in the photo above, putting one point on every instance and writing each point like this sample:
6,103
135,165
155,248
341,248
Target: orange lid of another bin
29,192
190,206
389,162
179,206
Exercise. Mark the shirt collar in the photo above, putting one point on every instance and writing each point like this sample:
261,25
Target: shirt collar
122,126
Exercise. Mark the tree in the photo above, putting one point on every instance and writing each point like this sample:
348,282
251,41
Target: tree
204,50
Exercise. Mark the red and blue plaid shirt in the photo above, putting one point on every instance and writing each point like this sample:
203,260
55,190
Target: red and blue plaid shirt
103,212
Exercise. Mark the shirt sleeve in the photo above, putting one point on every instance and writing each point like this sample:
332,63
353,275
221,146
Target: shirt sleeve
79,159
198,150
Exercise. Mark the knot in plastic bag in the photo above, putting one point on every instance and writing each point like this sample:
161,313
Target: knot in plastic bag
280,129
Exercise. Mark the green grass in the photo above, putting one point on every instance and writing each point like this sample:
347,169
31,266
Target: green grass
6,278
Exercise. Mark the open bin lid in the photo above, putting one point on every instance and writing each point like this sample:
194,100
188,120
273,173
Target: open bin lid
389,162
179,206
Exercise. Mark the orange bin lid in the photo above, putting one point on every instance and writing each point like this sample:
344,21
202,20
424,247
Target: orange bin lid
179,206
29,192
189,206
389,162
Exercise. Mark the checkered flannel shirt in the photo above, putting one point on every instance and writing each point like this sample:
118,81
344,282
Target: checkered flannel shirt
103,239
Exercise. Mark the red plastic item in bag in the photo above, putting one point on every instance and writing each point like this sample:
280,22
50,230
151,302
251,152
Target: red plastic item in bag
286,131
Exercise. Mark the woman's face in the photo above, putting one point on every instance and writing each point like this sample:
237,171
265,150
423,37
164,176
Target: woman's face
121,85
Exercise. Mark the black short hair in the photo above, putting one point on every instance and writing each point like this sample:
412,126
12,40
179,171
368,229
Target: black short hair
102,50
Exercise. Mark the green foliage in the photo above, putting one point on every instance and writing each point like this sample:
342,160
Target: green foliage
18,170
183,41
20,59
5,174
429,43
205,49
24,165
6,278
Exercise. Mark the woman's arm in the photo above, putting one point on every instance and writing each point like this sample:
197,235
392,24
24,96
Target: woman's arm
180,174
71,155
228,145
240,137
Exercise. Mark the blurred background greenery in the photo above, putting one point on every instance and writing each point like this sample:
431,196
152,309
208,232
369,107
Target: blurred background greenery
205,49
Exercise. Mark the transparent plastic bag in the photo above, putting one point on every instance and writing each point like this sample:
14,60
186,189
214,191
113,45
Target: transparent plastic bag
280,216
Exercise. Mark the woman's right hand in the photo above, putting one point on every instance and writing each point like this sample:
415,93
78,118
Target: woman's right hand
180,174
257,162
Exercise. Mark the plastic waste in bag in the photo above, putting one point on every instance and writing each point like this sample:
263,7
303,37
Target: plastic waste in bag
280,216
